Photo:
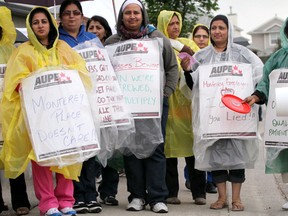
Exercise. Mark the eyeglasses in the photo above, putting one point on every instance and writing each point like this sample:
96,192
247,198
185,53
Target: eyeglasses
68,13
199,36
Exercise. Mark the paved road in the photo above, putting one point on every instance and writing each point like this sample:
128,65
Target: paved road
262,195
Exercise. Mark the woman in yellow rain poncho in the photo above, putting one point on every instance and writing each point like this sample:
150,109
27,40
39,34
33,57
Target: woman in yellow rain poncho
179,135
42,50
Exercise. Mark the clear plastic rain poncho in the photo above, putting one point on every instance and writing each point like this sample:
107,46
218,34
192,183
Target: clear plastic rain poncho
148,129
228,153
116,123
31,57
276,157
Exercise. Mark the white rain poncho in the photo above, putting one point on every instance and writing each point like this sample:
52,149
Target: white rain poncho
116,122
223,153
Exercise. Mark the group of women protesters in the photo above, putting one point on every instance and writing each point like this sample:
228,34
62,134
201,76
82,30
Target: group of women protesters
151,150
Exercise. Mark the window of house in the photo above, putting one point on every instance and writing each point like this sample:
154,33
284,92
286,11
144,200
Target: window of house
274,38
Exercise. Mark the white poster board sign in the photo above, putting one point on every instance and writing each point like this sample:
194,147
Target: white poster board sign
109,97
58,113
137,66
276,126
2,73
216,120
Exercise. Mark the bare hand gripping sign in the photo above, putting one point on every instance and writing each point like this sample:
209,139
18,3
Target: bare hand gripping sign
58,114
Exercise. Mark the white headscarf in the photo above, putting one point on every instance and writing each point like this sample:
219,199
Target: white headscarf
131,2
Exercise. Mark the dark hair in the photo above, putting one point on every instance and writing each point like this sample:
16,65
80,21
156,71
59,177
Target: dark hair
220,17
103,22
69,2
53,31
205,28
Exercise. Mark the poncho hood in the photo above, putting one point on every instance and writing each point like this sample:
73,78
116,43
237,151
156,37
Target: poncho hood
164,19
53,35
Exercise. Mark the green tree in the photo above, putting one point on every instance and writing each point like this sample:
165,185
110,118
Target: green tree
190,10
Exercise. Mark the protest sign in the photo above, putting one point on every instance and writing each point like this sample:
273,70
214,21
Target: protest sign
2,73
58,114
216,120
137,66
276,130
109,97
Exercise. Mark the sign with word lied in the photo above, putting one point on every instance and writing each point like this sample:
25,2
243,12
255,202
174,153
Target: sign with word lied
216,120
137,67
276,120
110,102
58,114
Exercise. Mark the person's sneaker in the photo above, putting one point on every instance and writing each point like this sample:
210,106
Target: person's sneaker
210,188
136,205
160,207
94,207
80,208
285,206
200,201
68,211
110,200
53,212
173,201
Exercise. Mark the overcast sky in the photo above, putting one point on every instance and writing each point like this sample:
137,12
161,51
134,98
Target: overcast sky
253,13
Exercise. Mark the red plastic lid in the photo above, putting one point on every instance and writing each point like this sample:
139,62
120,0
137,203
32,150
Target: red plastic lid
235,103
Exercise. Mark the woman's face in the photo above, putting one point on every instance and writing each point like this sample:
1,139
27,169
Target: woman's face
41,26
96,28
173,28
219,32
132,17
71,18
201,38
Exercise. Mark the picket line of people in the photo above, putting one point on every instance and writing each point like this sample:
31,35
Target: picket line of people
165,106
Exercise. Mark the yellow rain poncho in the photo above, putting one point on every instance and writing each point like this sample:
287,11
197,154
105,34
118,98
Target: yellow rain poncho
6,43
30,57
179,135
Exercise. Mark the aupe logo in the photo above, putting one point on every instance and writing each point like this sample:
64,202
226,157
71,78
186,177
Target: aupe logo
130,48
225,70
51,80
283,77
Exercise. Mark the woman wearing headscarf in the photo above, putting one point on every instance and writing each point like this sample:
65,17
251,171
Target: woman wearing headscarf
179,135
226,157
19,197
42,50
146,173
276,157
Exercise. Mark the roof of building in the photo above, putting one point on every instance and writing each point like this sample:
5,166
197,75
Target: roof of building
271,26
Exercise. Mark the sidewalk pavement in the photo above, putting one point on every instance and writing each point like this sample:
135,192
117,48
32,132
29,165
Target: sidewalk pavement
262,195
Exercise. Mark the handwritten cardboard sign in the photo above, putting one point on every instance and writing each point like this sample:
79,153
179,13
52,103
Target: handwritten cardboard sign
216,120
58,114
276,126
137,66
111,106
